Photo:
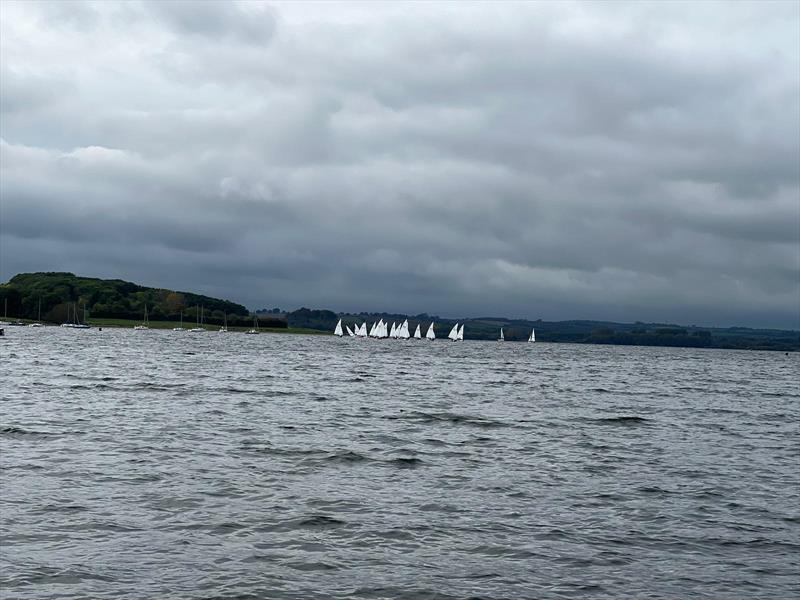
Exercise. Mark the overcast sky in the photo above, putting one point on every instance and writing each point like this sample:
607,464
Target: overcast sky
541,160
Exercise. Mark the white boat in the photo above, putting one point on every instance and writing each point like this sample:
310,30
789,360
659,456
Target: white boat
502,337
338,331
453,335
349,331
254,330
199,316
39,319
430,335
373,331
533,336
417,333
461,333
224,328
362,331
384,330
181,327
145,324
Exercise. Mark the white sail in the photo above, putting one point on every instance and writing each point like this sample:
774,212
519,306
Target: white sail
417,332
393,332
364,329
533,336
384,329
461,333
453,335
502,338
338,331
430,335
403,331
372,329
349,331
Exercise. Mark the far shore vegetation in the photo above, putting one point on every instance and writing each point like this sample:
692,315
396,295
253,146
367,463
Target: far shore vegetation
118,303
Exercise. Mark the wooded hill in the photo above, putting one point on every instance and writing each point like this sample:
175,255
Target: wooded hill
115,299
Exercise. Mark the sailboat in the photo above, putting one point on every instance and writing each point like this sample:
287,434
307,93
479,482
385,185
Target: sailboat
362,331
502,337
78,324
417,333
68,322
5,312
181,327
533,336
453,335
461,333
199,316
338,331
254,330
349,331
39,318
402,332
224,328
145,324
430,335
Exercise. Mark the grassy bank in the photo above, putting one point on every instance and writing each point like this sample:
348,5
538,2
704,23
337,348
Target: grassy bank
129,323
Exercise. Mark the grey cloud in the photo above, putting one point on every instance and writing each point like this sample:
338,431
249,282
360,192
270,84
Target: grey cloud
541,160
216,19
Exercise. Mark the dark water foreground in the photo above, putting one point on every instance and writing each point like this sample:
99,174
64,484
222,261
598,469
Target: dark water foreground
158,464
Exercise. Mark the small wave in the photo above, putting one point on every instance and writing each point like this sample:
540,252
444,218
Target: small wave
234,390
346,456
311,566
406,463
654,489
449,417
14,431
320,521
622,420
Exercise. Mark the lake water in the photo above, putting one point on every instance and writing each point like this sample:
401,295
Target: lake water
159,464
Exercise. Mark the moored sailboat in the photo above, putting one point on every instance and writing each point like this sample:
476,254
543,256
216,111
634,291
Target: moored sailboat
38,322
254,330
144,324
199,318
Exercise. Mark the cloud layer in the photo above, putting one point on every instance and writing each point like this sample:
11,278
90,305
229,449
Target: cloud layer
553,160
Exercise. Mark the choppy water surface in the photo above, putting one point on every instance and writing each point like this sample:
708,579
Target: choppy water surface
155,464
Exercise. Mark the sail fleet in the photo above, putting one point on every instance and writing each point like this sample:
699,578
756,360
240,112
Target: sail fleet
380,330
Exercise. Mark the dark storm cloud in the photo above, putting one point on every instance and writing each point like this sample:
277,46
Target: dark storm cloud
542,160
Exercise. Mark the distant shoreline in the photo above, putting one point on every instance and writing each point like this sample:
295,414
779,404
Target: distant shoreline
169,325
